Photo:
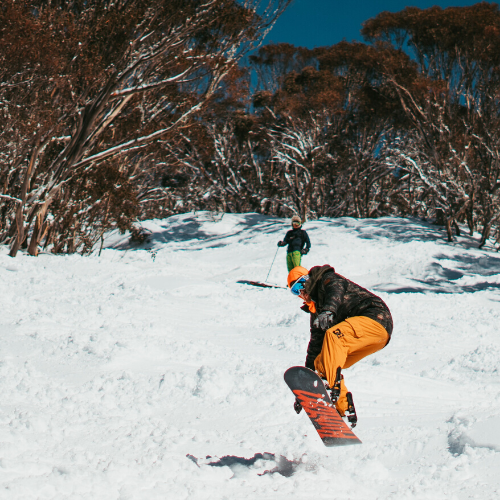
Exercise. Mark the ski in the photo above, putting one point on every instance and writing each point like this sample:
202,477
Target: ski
258,283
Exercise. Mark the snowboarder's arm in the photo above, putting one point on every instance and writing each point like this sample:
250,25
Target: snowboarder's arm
334,287
314,347
307,241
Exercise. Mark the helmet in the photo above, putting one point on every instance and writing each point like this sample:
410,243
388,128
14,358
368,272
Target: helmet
295,274
296,220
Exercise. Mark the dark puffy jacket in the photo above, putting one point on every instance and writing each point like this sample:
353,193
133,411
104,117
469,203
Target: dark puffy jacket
296,239
345,299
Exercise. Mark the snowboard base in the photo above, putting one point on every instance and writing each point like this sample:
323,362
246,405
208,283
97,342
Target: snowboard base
311,394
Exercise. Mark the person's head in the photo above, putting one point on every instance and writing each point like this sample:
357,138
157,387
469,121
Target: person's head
297,278
296,222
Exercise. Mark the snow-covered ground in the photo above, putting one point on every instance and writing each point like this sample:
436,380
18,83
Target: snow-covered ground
150,373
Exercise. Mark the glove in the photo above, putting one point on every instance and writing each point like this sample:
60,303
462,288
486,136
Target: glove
281,243
304,251
297,406
324,320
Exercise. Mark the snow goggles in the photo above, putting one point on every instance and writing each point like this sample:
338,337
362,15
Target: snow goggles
297,287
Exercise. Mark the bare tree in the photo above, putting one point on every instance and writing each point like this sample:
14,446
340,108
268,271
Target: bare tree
299,147
448,152
124,76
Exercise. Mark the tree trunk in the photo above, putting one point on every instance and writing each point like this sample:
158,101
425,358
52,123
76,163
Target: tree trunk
485,234
19,229
448,229
19,212
35,237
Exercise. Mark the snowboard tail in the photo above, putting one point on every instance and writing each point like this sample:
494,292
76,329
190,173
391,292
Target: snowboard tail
312,396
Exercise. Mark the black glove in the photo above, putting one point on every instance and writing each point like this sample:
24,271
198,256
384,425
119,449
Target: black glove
281,243
304,251
297,406
324,320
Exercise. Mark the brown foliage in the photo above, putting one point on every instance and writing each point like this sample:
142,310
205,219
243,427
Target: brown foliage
410,121
91,84
117,111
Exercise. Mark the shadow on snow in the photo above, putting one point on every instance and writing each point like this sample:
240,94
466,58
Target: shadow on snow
283,466
442,277
192,228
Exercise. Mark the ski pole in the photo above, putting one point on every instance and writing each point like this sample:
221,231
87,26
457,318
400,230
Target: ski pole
272,264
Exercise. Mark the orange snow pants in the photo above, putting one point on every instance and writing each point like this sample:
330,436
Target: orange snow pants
345,344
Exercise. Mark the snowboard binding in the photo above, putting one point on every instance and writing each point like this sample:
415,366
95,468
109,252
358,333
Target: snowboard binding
350,413
352,418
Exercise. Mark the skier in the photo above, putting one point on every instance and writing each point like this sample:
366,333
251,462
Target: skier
298,243
347,323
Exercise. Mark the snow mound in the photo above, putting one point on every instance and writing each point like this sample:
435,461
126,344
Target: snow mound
148,372
485,434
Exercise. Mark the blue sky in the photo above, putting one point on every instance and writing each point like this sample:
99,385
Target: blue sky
314,23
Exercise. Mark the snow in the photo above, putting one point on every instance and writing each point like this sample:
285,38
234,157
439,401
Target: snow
150,373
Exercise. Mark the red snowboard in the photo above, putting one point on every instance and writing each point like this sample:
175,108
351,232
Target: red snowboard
313,397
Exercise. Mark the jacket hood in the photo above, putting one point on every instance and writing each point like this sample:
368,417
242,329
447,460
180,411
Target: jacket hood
315,274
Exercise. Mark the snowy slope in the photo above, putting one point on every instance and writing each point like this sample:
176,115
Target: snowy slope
121,373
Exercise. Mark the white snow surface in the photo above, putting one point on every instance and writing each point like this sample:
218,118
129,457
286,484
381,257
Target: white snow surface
149,373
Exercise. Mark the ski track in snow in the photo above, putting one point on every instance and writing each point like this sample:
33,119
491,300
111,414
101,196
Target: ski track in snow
149,373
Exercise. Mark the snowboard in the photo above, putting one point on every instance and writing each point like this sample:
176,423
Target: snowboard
311,393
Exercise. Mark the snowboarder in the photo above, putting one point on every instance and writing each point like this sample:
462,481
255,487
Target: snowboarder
347,323
298,243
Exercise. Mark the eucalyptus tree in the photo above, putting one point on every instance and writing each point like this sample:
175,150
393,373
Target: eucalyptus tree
451,147
89,89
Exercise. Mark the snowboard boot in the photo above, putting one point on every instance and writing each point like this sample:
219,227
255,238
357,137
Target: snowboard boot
335,390
350,411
